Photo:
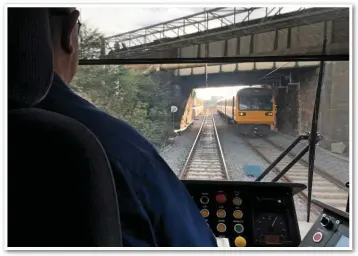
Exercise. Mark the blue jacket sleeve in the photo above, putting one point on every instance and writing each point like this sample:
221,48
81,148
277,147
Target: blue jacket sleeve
155,207
180,222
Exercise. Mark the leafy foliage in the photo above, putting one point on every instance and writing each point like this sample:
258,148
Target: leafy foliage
90,43
141,100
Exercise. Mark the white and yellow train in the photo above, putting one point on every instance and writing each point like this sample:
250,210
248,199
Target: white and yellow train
252,109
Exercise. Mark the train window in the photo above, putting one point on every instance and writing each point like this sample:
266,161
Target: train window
226,96
219,121
262,102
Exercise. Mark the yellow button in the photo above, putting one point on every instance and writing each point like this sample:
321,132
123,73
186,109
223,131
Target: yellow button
240,241
237,201
204,213
238,214
221,227
221,213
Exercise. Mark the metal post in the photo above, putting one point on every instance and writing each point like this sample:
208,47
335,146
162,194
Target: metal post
232,110
283,154
173,122
225,108
206,75
313,137
347,206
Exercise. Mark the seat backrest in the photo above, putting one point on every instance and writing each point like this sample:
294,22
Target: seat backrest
61,191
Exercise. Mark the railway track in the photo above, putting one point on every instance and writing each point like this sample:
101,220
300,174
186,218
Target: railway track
206,160
323,189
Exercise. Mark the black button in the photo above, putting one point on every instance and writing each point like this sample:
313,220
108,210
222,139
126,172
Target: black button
326,222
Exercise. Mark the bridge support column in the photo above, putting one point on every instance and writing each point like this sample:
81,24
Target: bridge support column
287,101
333,121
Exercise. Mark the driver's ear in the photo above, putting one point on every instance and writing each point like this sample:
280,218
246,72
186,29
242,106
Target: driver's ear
69,27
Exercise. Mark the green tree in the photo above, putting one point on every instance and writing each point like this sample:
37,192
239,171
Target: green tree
90,43
141,100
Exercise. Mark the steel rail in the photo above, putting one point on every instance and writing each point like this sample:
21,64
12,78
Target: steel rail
220,149
192,149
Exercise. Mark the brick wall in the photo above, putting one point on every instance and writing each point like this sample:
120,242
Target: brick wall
333,121
287,110
306,98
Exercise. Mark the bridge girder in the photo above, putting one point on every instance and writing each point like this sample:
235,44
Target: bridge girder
242,27
254,77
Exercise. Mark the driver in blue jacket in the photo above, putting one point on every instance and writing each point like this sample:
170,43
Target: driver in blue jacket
155,207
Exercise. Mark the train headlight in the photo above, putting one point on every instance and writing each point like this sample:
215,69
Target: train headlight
268,113
242,114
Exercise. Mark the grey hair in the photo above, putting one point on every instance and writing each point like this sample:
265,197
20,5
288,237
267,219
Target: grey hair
55,15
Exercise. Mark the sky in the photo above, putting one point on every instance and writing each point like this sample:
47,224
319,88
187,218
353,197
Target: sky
111,21
115,20
206,93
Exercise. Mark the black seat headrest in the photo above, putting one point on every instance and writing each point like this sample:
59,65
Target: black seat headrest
60,183
30,57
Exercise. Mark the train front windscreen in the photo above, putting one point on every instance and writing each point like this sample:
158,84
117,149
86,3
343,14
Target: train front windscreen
220,126
256,102
197,136
207,129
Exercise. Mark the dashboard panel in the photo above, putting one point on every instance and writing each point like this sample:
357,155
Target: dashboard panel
249,214
331,228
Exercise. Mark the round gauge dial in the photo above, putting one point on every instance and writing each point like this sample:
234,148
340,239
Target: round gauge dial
270,228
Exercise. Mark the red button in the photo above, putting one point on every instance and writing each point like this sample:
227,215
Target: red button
221,198
317,237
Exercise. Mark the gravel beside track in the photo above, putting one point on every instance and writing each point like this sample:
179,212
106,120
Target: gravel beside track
176,154
238,153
